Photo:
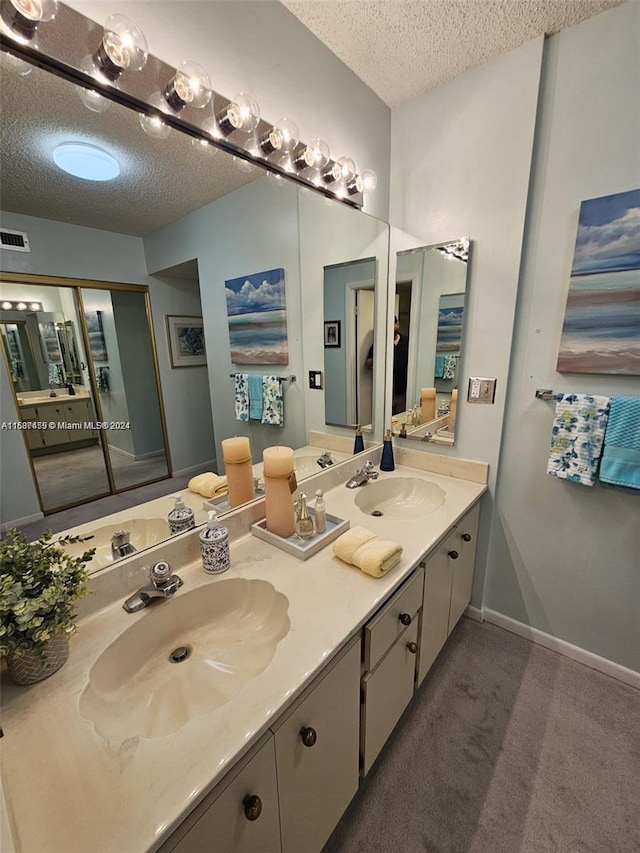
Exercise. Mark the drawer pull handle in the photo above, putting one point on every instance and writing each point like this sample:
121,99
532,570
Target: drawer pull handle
466,537
405,618
308,736
453,555
252,807
413,648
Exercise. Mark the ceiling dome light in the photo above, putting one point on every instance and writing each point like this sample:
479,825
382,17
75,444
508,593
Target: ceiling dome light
20,18
86,161
123,47
190,85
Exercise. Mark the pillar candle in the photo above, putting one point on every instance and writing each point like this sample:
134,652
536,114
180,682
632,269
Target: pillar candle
428,404
278,498
453,408
236,453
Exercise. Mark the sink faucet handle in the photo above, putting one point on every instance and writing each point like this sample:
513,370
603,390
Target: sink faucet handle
160,572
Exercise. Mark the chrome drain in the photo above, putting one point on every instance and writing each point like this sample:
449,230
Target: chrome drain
179,654
377,513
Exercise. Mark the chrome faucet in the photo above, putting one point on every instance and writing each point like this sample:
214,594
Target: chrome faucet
120,545
325,459
363,476
162,584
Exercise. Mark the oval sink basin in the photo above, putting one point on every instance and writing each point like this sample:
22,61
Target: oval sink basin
144,532
408,497
223,635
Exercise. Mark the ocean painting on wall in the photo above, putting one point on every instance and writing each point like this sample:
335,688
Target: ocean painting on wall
601,331
450,317
257,314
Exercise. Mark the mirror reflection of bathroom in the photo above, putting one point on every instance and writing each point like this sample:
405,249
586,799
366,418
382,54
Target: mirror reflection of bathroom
73,366
349,316
429,306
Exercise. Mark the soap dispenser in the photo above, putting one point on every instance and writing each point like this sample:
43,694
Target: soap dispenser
358,445
304,522
214,545
320,512
181,517
386,461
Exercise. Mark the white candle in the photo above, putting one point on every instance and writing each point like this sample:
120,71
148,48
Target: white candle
428,404
453,409
278,498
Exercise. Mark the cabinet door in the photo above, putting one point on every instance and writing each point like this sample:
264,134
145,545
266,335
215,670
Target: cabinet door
54,436
29,414
317,756
463,544
79,412
435,607
241,819
386,692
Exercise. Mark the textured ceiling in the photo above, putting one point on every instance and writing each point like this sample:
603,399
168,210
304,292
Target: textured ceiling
402,48
160,180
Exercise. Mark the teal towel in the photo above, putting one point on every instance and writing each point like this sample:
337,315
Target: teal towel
621,458
255,397
439,371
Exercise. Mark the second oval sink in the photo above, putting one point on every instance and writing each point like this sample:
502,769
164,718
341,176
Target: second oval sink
408,497
184,657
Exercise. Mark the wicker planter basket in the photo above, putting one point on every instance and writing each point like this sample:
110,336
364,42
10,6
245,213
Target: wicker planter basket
29,667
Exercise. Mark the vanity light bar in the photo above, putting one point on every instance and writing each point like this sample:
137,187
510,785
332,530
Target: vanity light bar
20,305
102,60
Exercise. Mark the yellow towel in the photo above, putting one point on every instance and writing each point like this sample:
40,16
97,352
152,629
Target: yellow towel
208,485
364,549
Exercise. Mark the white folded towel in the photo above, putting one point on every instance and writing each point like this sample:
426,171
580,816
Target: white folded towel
208,485
364,549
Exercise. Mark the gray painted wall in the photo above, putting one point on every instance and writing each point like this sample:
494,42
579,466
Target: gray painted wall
564,558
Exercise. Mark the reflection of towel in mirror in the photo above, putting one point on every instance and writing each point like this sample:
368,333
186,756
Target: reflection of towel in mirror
255,397
272,403
621,458
242,397
450,366
364,549
208,485
438,372
576,437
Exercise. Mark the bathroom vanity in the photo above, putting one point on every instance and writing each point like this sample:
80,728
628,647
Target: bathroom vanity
320,661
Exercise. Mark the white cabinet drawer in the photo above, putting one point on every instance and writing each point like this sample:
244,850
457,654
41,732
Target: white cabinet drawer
386,692
382,631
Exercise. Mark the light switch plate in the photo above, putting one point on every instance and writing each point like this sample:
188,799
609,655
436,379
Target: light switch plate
315,379
481,390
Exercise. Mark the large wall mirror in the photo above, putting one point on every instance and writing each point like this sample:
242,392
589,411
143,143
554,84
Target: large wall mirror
429,317
189,223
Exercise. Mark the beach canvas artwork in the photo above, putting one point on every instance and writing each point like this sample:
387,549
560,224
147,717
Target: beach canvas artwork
256,308
450,317
601,331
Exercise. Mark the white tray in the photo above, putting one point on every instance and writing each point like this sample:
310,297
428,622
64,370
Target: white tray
302,549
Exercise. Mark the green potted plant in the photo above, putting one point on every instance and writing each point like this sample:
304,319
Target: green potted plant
39,585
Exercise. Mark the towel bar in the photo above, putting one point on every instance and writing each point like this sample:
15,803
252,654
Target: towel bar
290,378
545,394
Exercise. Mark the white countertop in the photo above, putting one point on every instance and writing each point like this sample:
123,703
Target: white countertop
67,789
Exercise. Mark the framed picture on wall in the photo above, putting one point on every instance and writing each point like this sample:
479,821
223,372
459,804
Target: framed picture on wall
332,333
97,343
186,341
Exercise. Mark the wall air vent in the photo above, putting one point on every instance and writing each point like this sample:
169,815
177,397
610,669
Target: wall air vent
14,241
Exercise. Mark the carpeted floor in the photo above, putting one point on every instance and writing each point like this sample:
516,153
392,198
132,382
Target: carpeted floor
506,748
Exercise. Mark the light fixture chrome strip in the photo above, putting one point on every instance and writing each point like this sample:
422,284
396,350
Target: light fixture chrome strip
68,46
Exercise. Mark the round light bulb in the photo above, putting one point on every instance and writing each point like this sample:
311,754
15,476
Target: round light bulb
366,181
21,306
343,169
7,306
20,18
123,47
92,100
285,132
35,306
316,154
154,126
243,113
15,65
190,85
